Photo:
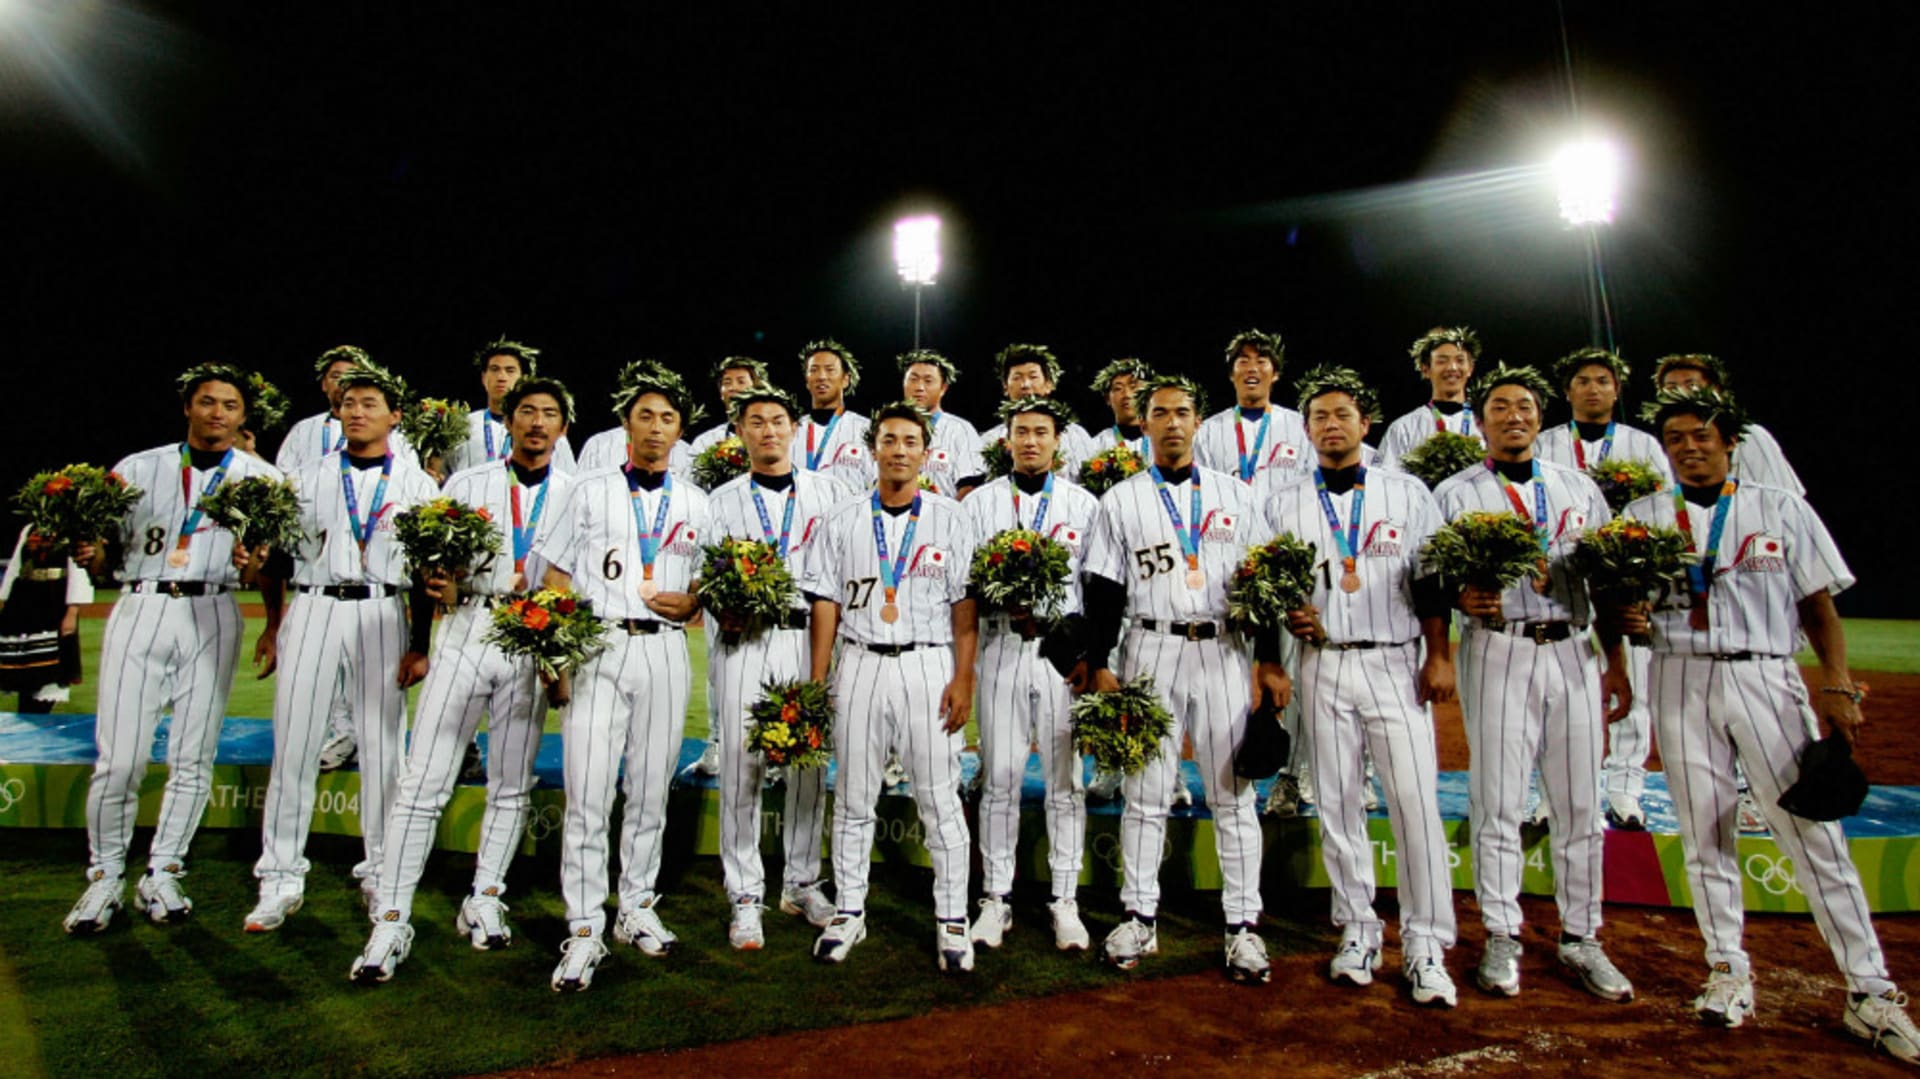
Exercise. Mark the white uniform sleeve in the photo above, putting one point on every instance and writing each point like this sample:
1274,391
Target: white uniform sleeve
1815,559
560,547
820,574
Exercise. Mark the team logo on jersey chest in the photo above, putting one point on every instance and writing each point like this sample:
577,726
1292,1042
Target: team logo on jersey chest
1068,535
939,461
1571,522
1284,455
930,561
1383,540
1761,552
1219,527
683,541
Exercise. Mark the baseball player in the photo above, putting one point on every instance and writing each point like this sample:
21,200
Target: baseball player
524,495
1725,683
171,646
502,363
630,543
1256,435
732,374
1444,358
610,448
1758,457
829,438
1022,698
1592,379
1164,545
1117,382
1363,683
888,582
785,507
953,458
1533,691
1034,371
348,633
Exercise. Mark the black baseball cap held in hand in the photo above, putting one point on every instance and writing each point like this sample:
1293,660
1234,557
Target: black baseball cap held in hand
1831,784
1263,751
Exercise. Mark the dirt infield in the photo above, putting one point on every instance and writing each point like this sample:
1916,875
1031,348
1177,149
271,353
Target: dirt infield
1202,1026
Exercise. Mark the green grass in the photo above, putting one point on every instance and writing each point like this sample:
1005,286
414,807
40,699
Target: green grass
1886,645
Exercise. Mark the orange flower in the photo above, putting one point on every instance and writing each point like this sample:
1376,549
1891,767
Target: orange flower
1097,465
1123,723
58,485
789,712
482,513
536,618
1021,546
1619,477
813,737
746,568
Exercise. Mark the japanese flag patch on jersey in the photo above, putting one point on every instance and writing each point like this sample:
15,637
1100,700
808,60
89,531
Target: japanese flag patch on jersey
1219,527
1284,455
939,461
1383,540
683,541
1572,522
930,561
1761,552
1068,535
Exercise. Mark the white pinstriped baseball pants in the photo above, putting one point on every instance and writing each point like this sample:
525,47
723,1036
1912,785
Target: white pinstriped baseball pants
1706,711
894,701
737,675
1528,704
629,705
467,679
1362,701
1023,699
159,652
330,646
1207,686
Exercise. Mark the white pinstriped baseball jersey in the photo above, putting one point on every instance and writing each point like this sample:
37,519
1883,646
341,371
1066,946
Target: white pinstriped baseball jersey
1758,457
837,447
845,567
608,449
1774,551
151,532
1419,425
320,434
1068,519
487,441
1574,505
1283,447
1134,544
719,432
330,554
493,486
597,543
1397,517
953,455
815,495
1109,436
1075,446
1557,444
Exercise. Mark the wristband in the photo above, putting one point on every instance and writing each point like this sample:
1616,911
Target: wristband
1856,693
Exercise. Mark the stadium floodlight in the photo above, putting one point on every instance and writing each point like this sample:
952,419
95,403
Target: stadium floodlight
1589,175
916,249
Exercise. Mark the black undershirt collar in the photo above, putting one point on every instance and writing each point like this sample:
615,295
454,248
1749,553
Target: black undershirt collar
1340,480
1177,475
528,476
205,459
639,479
1515,471
364,463
1701,496
1253,415
1591,432
1449,408
822,416
774,483
1129,431
1029,483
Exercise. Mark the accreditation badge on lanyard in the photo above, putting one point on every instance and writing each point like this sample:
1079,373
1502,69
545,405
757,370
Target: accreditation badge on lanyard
891,572
180,556
363,533
649,537
1188,533
1541,581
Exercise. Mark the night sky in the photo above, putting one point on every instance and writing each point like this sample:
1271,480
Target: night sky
256,182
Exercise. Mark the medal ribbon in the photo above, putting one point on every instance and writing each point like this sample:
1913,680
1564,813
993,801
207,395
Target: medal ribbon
1347,542
523,535
786,519
891,572
506,440
1249,462
1520,507
338,444
1040,514
649,538
363,534
813,455
1188,534
192,521
1700,575
1580,449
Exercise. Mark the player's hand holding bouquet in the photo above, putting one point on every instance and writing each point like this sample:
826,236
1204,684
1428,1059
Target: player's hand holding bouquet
746,585
1110,466
260,512
441,538
1022,574
1121,728
558,630
1625,562
1624,480
1441,455
77,506
1487,552
792,724
434,427
720,462
1272,582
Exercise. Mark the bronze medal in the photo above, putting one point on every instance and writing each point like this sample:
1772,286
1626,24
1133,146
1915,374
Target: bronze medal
648,589
1196,580
177,558
889,613
1350,581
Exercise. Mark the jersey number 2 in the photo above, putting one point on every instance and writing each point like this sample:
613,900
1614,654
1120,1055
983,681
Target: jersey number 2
859,591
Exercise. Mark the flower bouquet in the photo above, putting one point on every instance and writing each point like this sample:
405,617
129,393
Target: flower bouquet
434,427
445,535
76,505
792,724
258,511
1274,578
1442,455
1624,562
1487,550
557,629
1624,480
1121,729
1022,572
720,462
1110,466
746,584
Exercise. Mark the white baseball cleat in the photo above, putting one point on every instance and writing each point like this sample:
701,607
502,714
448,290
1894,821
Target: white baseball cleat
1182,794
808,901
843,931
1069,932
160,894
996,917
1727,998
483,918
1370,795
709,762
94,910
1604,980
473,766
338,752
1284,799
642,928
278,901
1105,786
1354,963
1625,813
1247,957
386,949
1751,820
1500,966
745,932
580,954
1883,1022
955,946
1129,942
896,773
1430,982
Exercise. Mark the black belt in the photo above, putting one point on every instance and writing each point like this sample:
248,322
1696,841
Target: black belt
1355,646
1539,632
486,599
892,649
178,588
1736,657
1192,631
349,591
646,627
48,573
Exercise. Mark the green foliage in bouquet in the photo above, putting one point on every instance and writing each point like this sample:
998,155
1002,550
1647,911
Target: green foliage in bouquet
257,511
792,724
720,462
1021,571
1625,561
745,580
434,426
557,629
445,534
1442,455
1274,578
1110,466
1489,550
1624,480
1121,729
75,505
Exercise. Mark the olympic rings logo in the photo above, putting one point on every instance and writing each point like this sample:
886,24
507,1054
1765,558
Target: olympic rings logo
543,822
12,793
1774,875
